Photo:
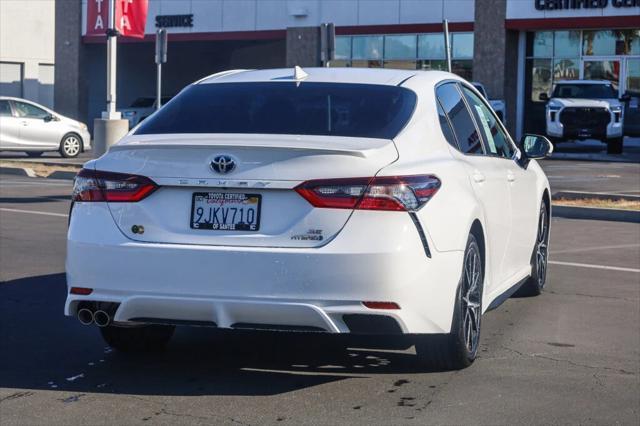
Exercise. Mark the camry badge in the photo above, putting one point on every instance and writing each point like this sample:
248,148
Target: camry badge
223,164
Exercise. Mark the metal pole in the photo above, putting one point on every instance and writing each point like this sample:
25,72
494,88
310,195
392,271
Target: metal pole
112,39
447,44
159,88
161,57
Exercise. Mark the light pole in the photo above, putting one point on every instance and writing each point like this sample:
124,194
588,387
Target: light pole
447,43
112,56
161,58
109,128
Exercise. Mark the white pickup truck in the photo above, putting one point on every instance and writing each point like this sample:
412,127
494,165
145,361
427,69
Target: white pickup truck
585,109
497,104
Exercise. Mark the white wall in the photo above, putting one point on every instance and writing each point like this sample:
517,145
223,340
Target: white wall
27,36
256,15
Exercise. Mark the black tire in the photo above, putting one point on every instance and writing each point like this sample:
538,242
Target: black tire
614,146
34,154
70,145
459,348
539,258
148,338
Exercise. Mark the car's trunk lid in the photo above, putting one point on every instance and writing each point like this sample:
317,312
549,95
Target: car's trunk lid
267,169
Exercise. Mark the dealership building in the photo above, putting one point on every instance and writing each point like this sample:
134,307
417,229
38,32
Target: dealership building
516,48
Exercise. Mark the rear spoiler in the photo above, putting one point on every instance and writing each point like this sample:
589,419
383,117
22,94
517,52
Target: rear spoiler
329,145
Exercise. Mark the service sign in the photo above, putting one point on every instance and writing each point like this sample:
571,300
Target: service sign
131,17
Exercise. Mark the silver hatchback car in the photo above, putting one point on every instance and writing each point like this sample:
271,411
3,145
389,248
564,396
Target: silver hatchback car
32,128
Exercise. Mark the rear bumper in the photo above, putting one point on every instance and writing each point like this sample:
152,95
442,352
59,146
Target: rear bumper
237,286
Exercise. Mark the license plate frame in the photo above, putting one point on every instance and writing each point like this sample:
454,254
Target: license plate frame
225,227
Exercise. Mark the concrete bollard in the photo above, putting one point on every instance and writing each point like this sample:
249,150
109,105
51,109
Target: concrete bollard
107,133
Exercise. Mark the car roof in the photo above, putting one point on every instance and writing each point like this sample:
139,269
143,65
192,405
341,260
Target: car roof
13,98
583,82
390,77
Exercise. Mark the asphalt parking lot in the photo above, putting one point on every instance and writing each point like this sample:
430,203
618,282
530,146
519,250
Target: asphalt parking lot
570,356
590,177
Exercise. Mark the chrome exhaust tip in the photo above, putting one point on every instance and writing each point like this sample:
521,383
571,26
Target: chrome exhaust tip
85,316
101,318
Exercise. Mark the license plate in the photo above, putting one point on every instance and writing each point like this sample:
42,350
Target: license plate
584,132
225,211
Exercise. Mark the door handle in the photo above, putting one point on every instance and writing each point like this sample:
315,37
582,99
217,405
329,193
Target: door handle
25,123
478,177
511,177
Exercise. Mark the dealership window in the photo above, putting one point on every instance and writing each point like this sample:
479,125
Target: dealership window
633,76
611,42
343,51
575,54
405,51
462,45
552,56
431,46
543,44
566,44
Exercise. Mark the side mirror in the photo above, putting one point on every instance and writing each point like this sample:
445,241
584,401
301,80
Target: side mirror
49,117
625,98
535,147
543,96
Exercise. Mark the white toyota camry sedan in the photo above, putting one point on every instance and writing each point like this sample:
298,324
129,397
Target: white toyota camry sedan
369,202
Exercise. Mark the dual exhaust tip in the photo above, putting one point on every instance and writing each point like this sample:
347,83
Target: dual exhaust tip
98,317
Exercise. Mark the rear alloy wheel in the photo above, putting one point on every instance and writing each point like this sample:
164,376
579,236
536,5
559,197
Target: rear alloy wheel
70,146
614,146
539,258
146,338
34,154
459,348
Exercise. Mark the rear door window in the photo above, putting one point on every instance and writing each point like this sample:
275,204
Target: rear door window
495,138
447,131
464,128
326,109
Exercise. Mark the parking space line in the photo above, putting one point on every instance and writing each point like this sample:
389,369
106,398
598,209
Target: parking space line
580,250
33,212
585,265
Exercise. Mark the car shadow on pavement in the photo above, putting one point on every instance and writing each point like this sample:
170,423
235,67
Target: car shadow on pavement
40,348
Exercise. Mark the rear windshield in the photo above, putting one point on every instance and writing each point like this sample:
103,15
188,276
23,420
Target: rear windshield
329,109
585,91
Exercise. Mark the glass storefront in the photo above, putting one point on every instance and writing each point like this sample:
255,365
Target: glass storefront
589,54
406,51
611,55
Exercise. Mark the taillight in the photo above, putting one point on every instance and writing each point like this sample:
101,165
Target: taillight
96,185
395,193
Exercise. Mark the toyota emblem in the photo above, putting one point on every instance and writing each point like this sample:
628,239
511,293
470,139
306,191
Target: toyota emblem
223,164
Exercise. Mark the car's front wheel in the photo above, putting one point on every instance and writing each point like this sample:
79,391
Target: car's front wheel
458,349
70,146
147,338
539,258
